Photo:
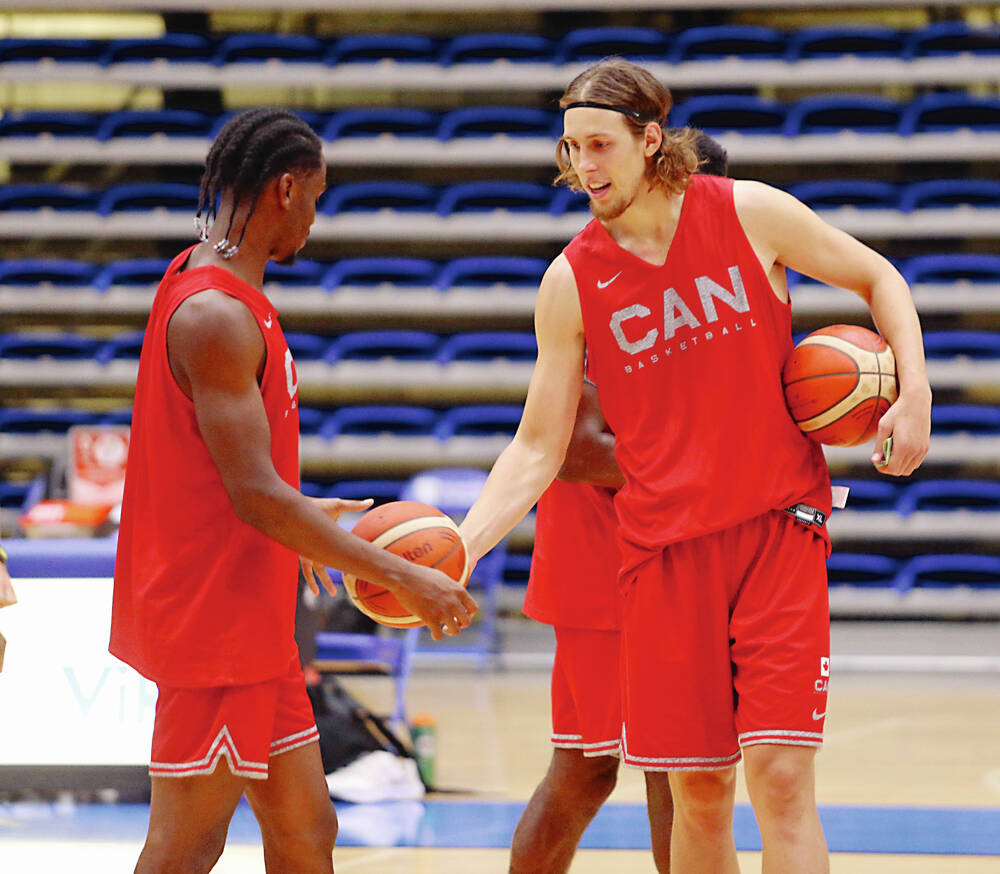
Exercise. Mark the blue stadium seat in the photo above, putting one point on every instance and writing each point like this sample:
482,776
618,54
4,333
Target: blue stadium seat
861,569
965,418
944,571
48,344
121,416
946,193
309,488
870,494
310,422
52,271
398,419
489,270
950,111
489,346
57,124
170,47
374,195
307,347
469,48
374,345
123,345
31,420
398,121
566,200
969,344
859,193
826,113
825,41
140,123
594,43
479,420
949,494
942,38
133,271
45,195
382,490
727,40
131,196
32,49
487,195
453,491
255,47
718,113
415,272
952,267
302,273
517,569
370,47
485,121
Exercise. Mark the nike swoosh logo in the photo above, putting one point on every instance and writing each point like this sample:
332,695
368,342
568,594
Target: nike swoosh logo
612,279
267,321
817,716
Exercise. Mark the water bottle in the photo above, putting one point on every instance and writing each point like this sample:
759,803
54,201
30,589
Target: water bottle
423,732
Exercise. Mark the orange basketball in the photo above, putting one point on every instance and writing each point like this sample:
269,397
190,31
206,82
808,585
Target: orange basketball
839,381
418,533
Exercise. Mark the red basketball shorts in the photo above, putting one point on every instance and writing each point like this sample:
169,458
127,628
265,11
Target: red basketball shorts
586,708
726,644
195,727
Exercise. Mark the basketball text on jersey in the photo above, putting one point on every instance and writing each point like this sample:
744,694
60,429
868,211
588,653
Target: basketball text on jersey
678,314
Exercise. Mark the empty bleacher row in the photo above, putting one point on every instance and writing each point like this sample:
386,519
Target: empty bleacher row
439,219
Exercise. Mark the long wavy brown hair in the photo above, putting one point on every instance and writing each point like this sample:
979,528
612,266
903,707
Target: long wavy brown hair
618,82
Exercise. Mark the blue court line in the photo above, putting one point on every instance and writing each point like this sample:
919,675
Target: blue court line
488,824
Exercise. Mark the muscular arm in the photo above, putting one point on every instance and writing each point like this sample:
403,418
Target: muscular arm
784,231
590,456
216,352
533,457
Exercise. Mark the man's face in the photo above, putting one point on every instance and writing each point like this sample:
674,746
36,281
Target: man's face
305,191
608,158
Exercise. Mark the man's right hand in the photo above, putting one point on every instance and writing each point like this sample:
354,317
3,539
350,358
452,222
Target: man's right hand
441,602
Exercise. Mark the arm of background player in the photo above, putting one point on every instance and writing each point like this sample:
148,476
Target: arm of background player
216,353
590,456
783,230
532,459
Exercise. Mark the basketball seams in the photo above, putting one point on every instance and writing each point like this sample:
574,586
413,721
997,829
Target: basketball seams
411,526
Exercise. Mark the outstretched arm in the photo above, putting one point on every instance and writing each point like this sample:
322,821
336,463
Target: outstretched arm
784,231
590,456
216,353
532,459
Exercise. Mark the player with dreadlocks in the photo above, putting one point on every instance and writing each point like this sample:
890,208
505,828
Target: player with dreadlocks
213,522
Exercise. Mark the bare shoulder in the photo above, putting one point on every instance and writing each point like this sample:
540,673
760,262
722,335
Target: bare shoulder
759,200
559,274
213,333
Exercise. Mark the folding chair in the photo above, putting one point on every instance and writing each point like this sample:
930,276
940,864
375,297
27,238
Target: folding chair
373,47
978,345
453,491
862,113
859,193
57,124
946,193
140,123
486,121
50,271
727,40
48,344
371,122
594,43
718,113
488,270
946,571
870,494
371,420
965,418
377,195
487,195
950,111
825,41
132,271
27,196
170,46
942,38
479,420
952,267
303,273
489,346
861,569
256,47
134,196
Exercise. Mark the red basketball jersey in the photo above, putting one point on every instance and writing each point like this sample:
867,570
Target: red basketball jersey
688,358
201,598
574,565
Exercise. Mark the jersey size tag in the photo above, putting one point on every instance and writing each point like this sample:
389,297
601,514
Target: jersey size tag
807,515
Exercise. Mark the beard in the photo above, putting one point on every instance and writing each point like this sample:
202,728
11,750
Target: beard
614,207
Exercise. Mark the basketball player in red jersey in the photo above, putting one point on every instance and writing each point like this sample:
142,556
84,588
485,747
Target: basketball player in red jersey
675,290
213,522
575,552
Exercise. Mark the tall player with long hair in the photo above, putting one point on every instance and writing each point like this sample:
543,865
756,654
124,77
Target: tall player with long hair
676,291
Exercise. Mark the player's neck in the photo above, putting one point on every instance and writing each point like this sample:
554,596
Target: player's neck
647,227
246,265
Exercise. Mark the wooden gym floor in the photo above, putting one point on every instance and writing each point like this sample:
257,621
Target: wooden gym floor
909,779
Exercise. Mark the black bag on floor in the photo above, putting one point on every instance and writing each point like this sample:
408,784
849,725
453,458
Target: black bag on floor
348,729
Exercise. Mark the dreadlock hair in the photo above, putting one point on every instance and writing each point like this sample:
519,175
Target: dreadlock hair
640,98
250,150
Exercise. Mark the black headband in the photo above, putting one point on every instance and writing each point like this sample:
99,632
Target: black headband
624,110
